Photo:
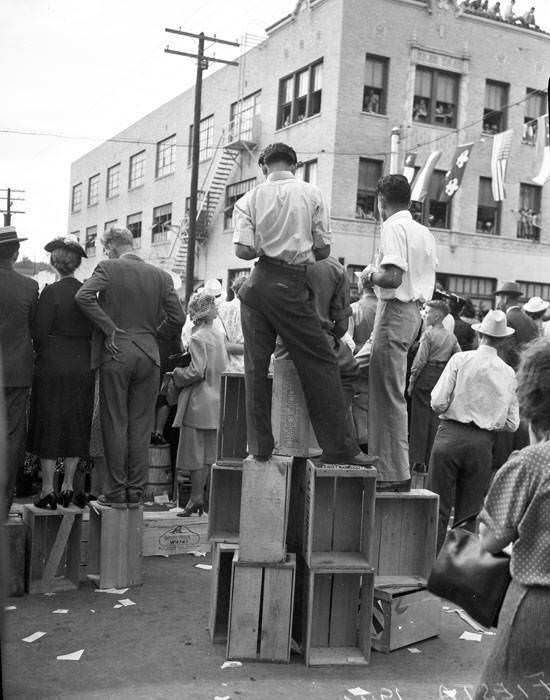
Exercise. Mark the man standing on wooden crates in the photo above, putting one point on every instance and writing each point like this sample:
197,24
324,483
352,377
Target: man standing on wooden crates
284,222
131,304
404,279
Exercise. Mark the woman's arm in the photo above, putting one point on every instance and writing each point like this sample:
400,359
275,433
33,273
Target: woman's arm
488,540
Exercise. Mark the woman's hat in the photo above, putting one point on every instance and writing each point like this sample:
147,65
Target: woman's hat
213,287
536,305
69,242
8,234
510,288
494,325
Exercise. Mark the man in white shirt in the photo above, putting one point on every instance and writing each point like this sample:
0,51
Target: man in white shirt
475,397
285,223
404,279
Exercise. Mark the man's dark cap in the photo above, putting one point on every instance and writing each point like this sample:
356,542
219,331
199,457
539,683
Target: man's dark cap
277,151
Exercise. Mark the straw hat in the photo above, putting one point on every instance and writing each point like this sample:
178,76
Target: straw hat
8,234
536,305
510,288
494,325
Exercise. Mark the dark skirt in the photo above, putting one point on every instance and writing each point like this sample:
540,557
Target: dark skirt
424,421
520,657
62,399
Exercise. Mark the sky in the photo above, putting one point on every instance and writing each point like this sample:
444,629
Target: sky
77,73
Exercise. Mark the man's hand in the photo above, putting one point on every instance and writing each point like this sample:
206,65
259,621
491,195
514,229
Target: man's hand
410,389
110,343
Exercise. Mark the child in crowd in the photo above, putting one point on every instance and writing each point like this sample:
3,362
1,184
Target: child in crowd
199,399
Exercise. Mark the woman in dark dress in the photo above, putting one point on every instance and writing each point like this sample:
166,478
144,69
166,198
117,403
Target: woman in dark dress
63,387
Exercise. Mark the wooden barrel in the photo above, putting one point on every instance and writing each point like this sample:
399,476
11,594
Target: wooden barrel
159,478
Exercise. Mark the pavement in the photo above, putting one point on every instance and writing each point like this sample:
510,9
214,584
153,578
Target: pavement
159,649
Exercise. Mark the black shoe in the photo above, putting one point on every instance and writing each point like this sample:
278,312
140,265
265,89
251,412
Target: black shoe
49,501
358,460
80,500
262,458
65,498
191,508
158,439
134,500
112,502
393,486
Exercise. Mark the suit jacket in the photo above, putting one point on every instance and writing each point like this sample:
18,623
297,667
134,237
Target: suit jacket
18,301
526,331
137,298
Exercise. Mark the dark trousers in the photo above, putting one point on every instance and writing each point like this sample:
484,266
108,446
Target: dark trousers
15,399
459,471
277,301
424,422
128,388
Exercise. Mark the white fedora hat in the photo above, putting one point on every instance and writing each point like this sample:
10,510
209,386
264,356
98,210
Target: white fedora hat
494,325
535,305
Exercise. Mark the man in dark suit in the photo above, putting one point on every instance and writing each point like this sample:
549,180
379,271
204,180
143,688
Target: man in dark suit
507,300
131,304
18,299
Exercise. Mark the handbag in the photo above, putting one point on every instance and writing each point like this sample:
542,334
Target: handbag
469,576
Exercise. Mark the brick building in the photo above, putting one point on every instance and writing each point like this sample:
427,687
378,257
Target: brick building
333,79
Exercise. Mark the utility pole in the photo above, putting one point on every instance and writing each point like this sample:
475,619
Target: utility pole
8,211
202,65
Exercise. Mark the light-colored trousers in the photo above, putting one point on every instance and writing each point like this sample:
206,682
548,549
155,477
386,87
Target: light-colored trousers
396,327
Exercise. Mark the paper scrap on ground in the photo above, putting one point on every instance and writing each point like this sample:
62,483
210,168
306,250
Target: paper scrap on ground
414,650
231,664
197,553
163,498
220,697
33,637
357,691
206,567
74,656
471,636
10,607
176,509
92,611
473,624
126,602
59,611
50,594
118,591
117,606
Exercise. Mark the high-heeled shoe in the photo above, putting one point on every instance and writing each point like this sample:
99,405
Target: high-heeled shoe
50,500
191,508
65,498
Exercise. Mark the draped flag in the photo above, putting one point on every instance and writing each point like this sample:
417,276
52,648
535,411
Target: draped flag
453,177
544,134
422,180
408,167
502,145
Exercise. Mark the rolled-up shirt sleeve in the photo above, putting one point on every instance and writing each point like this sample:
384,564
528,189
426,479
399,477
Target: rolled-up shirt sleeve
243,223
394,246
443,390
320,224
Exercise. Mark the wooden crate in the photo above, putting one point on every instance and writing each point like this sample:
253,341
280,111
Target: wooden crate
264,509
15,532
403,615
232,425
220,590
339,516
164,534
336,617
296,508
53,548
224,511
115,538
260,614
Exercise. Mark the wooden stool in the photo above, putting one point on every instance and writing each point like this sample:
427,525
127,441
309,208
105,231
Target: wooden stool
114,547
53,548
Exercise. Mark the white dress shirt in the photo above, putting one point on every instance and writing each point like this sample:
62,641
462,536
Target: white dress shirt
411,247
478,387
283,218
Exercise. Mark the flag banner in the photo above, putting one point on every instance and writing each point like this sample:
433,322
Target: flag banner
422,180
453,177
502,145
408,167
543,130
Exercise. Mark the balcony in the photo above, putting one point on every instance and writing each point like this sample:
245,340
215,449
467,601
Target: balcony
243,133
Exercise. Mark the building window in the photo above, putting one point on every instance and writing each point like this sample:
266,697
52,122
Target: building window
376,84
90,242
494,112
76,198
435,97
488,211
162,220
370,171
93,190
166,157
234,192
529,222
113,181
534,289
206,140
439,214
110,224
480,290
137,170
133,224
535,107
76,234
241,117
308,172
300,95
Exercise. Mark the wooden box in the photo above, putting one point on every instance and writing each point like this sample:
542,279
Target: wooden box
53,548
164,534
114,546
224,511
264,510
220,590
232,426
339,516
15,532
336,616
260,614
403,616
